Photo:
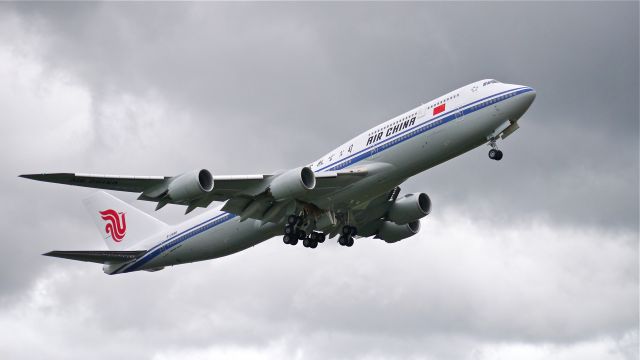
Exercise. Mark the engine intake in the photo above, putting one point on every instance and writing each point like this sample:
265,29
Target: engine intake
409,208
292,183
190,185
391,232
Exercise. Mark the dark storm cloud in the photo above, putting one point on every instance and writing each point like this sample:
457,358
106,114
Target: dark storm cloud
336,69
245,88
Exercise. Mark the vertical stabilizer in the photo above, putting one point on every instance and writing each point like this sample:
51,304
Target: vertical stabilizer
120,224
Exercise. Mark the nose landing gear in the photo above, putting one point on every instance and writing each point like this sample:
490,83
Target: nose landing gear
494,153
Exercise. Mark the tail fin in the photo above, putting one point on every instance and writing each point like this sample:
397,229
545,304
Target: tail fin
120,224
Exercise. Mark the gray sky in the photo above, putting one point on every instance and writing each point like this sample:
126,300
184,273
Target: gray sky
534,257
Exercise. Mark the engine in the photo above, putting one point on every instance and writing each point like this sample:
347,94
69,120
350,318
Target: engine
190,185
409,208
292,183
391,232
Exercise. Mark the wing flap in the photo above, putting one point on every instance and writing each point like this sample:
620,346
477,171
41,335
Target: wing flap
98,256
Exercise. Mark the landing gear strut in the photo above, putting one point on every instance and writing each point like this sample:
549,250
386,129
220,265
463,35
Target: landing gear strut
292,233
494,153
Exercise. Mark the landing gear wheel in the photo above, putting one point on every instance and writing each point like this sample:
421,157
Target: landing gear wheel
345,241
286,239
313,244
350,242
301,234
493,153
292,220
293,241
289,230
306,243
498,156
317,236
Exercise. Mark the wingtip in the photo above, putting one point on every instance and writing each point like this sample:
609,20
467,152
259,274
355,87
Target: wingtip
40,176
48,177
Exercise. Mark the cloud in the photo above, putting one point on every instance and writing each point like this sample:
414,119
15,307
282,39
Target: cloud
544,288
335,70
532,257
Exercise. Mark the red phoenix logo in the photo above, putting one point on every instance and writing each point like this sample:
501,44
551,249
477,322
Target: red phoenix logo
116,224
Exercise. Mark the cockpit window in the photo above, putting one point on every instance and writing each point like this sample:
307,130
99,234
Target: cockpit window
490,82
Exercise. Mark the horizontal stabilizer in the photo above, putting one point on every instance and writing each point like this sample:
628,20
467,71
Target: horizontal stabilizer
99,256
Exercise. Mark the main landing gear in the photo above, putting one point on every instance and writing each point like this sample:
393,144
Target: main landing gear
494,153
292,233
346,238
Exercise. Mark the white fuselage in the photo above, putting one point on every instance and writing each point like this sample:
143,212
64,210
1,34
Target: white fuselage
404,146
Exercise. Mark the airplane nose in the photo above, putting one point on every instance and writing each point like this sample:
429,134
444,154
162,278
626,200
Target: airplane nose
522,102
528,97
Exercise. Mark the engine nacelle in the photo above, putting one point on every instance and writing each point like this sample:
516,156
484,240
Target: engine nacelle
292,183
409,208
392,232
190,185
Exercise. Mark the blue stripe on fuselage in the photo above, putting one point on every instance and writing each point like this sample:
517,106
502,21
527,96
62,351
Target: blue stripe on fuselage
175,240
417,130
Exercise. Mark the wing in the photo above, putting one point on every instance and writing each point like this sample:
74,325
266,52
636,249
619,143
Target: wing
155,188
101,257
249,196
368,215
377,207
98,181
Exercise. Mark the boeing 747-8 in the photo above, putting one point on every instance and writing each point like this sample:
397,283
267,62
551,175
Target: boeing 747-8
351,192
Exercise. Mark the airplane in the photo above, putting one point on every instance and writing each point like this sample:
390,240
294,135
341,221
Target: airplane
352,192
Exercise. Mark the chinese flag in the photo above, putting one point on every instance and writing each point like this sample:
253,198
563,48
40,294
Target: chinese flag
438,109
